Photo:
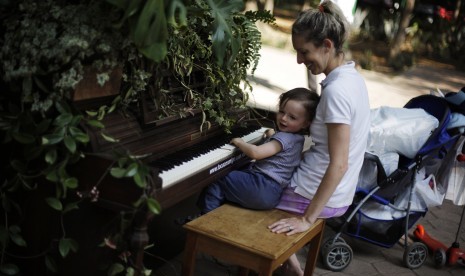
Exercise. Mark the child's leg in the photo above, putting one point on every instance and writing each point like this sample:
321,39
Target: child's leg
247,189
251,190
211,197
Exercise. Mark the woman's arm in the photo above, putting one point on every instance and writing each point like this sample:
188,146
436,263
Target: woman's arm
338,147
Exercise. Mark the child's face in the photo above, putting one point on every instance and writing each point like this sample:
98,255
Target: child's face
292,117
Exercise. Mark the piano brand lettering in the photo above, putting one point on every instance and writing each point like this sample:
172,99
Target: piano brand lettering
226,163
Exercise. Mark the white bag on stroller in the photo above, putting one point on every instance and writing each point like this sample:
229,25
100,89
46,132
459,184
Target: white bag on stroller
400,130
426,194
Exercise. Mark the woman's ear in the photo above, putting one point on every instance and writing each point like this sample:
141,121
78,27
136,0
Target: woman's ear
327,43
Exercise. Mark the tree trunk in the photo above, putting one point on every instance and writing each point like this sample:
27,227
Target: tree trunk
268,5
307,5
251,5
399,39
458,4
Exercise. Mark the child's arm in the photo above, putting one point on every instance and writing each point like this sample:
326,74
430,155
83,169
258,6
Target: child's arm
258,152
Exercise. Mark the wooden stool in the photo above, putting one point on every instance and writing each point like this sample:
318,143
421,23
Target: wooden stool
241,236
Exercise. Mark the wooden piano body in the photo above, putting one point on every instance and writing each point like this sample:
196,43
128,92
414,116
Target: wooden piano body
157,141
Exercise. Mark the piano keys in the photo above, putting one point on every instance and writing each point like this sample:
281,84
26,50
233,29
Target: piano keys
189,161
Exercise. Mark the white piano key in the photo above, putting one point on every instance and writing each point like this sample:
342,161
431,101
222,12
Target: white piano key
201,162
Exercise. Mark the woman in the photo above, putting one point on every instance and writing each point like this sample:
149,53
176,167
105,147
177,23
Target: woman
324,184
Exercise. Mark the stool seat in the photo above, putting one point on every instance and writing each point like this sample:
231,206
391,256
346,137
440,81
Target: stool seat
241,236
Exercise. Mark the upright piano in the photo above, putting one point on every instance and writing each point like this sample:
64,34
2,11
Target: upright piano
183,158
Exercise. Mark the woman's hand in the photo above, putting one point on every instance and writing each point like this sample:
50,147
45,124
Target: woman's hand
290,226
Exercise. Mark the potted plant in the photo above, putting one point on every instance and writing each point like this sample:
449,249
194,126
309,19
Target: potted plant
49,47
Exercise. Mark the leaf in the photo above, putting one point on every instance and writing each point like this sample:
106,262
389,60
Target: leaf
62,107
108,138
131,170
52,176
91,113
131,272
222,11
63,120
50,263
3,235
118,172
76,120
177,8
70,144
51,156
18,239
15,229
151,24
51,139
83,138
140,180
23,138
73,245
155,52
95,123
75,131
71,206
115,269
9,269
64,246
153,206
71,183
18,165
54,203
150,32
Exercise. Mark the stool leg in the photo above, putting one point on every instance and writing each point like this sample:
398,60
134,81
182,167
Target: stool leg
312,255
266,271
190,251
243,271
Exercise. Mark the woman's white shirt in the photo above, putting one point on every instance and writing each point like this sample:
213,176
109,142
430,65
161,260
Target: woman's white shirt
344,100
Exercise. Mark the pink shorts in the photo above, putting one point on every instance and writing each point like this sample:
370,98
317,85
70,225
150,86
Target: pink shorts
295,203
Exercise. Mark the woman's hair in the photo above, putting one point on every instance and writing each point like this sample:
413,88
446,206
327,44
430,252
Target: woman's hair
326,21
308,98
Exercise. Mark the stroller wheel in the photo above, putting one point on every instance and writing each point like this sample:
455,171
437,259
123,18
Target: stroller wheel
415,255
440,258
337,256
327,242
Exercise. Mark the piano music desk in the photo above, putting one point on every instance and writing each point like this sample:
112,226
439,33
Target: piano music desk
240,236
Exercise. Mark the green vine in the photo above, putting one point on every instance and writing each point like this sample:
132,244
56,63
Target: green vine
46,45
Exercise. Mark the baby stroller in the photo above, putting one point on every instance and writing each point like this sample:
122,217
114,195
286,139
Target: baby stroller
386,192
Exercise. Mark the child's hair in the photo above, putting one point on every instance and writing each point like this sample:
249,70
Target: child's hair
308,98
326,21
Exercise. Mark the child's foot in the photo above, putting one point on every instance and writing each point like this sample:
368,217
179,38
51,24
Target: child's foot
289,270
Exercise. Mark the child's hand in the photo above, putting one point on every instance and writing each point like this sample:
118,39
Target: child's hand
237,141
268,133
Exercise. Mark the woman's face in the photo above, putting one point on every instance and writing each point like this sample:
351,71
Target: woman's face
316,59
292,117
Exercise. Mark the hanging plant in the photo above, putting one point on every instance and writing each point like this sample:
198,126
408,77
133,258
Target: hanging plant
47,46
